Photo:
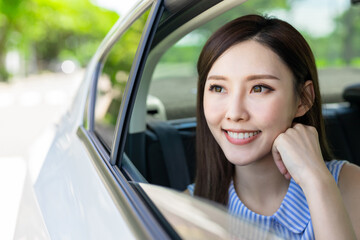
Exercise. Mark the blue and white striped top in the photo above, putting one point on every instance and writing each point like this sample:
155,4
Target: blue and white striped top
292,220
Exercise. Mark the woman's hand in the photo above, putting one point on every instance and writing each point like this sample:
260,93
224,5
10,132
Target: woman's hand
297,154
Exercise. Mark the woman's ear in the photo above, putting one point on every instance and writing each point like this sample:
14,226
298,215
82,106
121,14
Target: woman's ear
307,99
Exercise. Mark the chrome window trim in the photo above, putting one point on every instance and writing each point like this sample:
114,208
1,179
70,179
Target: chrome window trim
103,50
130,171
97,63
132,85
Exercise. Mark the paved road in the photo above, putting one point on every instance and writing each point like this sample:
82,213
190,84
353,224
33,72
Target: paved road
29,105
27,108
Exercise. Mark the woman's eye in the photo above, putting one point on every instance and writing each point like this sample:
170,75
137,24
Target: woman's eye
259,89
216,88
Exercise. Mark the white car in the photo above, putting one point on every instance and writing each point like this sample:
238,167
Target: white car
124,153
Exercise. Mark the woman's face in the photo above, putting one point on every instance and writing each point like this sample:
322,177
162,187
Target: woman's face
249,100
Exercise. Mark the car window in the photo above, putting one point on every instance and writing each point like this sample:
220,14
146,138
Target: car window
112,82
172,78
169,83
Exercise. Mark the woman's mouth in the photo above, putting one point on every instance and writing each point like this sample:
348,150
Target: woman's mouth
240,138
242,135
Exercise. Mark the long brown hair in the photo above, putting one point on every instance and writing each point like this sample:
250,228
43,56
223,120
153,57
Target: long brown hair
214,172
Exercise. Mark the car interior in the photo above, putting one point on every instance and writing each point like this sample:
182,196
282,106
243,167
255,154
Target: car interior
342,125
160,147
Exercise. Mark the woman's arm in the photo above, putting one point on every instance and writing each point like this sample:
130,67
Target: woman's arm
327,209
297,154
349,184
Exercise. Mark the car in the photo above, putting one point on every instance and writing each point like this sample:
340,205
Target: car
119,160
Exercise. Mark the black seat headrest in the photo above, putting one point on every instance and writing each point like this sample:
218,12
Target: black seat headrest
352,93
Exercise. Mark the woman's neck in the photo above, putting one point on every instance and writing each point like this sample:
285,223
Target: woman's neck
260,186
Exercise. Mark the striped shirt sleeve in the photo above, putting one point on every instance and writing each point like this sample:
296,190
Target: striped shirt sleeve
191,188
334,167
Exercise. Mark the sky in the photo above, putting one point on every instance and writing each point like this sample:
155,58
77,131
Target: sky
119,6
315,16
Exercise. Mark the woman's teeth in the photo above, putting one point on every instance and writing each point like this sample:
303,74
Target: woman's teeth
242,135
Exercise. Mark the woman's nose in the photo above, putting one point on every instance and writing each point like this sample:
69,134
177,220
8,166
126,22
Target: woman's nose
237,109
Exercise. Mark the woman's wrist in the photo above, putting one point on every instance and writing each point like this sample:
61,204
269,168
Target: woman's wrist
317,179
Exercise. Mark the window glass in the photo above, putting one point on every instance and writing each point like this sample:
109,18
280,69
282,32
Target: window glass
111,84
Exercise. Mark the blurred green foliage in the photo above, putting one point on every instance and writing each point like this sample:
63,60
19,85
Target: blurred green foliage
50,31
119,61
342,46
118,66
47,31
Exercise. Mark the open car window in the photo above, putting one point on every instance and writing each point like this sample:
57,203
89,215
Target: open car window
167,92
166,98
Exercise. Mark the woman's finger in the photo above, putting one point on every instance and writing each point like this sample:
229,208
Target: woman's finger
277,159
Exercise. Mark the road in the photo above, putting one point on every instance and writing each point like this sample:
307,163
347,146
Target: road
28,107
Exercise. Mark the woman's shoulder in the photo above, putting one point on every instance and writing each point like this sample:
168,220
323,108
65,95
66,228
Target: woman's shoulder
349,186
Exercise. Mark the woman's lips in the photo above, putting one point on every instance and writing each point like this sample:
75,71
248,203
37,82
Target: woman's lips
241,138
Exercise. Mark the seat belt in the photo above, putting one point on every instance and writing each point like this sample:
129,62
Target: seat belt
173,153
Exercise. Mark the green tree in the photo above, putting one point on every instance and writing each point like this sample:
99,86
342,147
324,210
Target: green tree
8,15
340,47
52,30
348,32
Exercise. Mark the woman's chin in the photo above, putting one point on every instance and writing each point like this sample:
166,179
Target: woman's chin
246,159
240,161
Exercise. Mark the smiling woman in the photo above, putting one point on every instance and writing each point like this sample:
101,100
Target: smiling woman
259,109
258,98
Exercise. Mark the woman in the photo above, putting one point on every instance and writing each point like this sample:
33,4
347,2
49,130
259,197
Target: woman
261,143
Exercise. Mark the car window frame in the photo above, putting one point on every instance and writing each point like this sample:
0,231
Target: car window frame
141,218
136,71
156,8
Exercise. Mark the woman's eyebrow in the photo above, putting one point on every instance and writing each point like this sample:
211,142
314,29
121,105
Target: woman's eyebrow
250,77
261,76
216,77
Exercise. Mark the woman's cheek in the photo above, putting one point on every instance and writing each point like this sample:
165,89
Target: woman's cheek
274,116
212,109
